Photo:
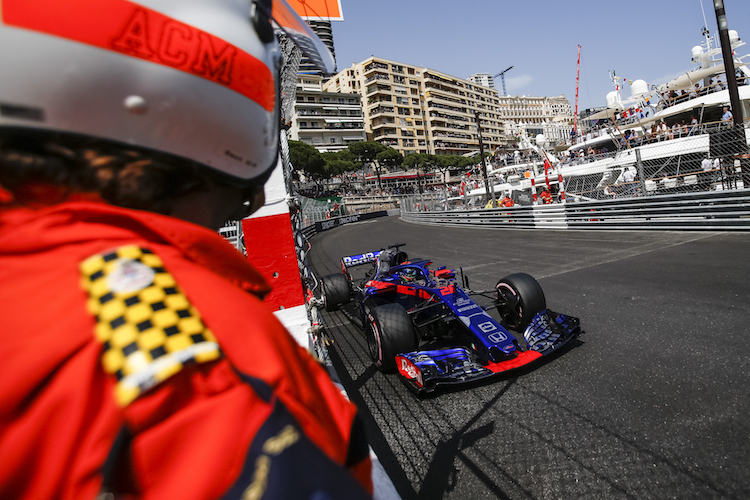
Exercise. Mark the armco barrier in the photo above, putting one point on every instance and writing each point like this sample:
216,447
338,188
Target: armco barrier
313,229
327,224
711,210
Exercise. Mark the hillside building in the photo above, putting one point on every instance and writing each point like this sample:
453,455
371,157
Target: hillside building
326,120
420,110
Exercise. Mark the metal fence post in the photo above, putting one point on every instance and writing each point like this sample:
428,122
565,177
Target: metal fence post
641,174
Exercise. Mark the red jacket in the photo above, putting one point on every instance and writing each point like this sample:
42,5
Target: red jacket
257,416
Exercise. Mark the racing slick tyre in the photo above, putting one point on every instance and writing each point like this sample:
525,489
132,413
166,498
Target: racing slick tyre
519,298
336,291
389,332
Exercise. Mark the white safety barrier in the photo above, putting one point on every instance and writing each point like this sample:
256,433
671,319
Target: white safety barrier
708,210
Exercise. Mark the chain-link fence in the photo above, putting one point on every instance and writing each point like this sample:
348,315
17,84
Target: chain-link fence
672,163
680,160
316,210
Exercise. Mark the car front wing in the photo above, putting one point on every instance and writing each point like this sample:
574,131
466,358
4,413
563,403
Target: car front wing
423,371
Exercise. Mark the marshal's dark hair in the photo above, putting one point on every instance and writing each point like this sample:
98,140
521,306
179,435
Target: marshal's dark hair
121,174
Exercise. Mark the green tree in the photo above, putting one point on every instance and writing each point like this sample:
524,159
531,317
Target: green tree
340,162
308,159
390,159
367,153
421,161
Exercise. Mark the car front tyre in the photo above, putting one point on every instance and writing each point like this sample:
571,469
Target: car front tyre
518,298
389,332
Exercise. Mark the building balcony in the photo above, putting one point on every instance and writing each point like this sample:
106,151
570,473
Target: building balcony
455,109
375,65
385,123
455,146
346,126
380,98
389,142
385,132
438,114
453,135
443,88
436,95
379,87
382,109
431,76
376,77
452,126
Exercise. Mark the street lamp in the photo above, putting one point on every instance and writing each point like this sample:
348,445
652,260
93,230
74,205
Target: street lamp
739,139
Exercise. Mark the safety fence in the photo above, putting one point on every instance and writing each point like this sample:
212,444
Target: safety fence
680,160
712,210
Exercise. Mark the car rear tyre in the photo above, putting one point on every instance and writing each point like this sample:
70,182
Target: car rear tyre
519,298
389,332
400,258
336,291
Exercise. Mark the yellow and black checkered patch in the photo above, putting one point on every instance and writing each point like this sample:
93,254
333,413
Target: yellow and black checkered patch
148,328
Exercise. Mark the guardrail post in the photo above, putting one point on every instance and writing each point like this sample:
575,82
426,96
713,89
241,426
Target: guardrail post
641,174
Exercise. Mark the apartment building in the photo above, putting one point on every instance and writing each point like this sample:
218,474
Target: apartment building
326,120
550,116
325,32
484,79
420,110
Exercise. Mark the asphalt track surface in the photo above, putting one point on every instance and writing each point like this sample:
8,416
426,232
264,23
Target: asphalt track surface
653,402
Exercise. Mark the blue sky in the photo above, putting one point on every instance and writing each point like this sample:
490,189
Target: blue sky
650,40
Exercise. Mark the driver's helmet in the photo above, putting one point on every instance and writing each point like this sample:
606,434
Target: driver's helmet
409,275
195,79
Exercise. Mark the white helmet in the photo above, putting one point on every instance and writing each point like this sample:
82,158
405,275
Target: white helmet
198,79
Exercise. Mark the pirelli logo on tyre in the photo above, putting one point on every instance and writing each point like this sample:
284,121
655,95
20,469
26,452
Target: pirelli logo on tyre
148,329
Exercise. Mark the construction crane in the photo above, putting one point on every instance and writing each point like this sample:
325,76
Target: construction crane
502,78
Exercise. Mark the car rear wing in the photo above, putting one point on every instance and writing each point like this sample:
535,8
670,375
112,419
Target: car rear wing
359,259
370,257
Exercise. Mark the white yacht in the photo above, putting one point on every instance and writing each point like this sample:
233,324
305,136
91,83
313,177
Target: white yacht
664,133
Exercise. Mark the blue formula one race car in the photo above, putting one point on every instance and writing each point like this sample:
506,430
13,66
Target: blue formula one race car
420,322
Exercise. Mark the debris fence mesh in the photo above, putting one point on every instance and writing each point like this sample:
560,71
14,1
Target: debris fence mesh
671,164
681,161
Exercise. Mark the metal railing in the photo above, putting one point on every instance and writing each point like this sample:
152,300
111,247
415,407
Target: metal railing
710,210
